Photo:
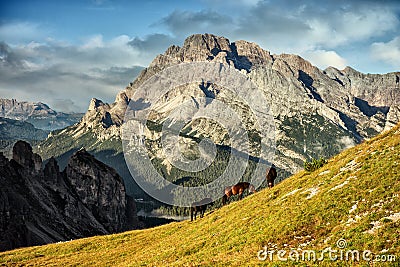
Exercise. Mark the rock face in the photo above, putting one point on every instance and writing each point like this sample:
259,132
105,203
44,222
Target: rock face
40,206
23,155
99,188
39,114
317,112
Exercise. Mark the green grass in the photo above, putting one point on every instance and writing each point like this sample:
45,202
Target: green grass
313,210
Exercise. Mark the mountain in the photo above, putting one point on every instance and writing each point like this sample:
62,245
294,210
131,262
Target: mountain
43,205
350,204
38,114
13,130
316,113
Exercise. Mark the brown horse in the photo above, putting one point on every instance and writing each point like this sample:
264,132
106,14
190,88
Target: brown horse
271,175
237,189
200,206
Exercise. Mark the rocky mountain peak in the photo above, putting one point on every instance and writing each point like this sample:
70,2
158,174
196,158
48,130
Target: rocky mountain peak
298,62
206,41
209,47
201,47
311,107
349,70
52,170
23,155
241,54
94,104
251,52
122,98
84,158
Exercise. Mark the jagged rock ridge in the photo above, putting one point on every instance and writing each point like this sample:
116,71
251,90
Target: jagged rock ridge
43,205
317,112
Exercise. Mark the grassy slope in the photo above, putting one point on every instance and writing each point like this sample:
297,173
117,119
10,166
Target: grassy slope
289,214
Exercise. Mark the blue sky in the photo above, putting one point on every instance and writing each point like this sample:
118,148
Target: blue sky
65,52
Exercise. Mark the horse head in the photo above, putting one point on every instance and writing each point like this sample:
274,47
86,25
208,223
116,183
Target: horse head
252,189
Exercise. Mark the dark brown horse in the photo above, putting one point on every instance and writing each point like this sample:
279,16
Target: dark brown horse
237,189
271,175
199,206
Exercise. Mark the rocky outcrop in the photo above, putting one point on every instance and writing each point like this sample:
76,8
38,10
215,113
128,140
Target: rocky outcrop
51,172
39,114
100,188
40,206
23,155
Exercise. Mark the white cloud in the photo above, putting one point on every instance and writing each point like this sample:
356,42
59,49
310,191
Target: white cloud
282,27
66,105
350,26
21,32
286,27
388,52
153,43
183,23
34,66
94,42
323,59
52,71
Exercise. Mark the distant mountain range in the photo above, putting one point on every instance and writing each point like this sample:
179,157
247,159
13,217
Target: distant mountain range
38,114
31,122
14,130
317,113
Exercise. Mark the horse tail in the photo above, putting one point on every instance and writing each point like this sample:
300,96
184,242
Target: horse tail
191,213
224,199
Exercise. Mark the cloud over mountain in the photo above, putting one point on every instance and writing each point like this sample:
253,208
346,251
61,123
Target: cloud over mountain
95,53
73,73
388,52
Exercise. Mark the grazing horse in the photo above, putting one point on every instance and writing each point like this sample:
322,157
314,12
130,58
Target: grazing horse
237,189
271,175
200,206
